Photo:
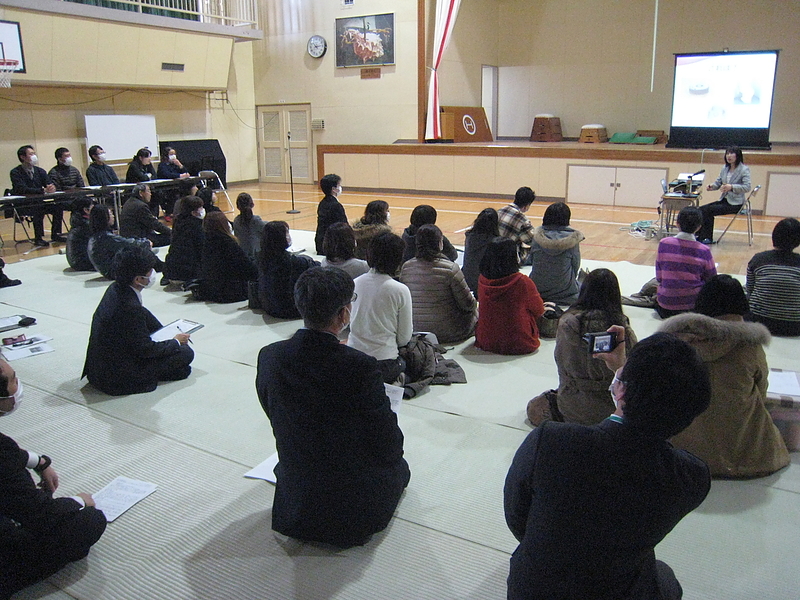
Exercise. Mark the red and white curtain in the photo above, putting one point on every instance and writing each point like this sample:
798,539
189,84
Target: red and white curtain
446,13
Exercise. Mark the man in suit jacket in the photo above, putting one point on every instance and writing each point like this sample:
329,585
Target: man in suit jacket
137,221
121,357
341,471
26,180
39,534
589,504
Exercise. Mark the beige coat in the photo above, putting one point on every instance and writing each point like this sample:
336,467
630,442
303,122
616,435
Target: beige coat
583,380
441,300
736,435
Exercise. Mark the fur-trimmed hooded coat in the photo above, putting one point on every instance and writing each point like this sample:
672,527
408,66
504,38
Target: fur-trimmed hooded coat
736,435
556,258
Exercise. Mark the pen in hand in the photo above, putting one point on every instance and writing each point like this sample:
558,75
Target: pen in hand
188,339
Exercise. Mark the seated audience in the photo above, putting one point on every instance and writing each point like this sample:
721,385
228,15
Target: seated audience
27,179
329,210
683,265
735,436
279,270
484,229
121,358
209,198
515,225
339,248
171,168
40,534
424,214
186,250
64,176
341,472
140,170
104,243
588,504
381,320
583,378
556,256
136,220
247,227
225,268
98,172
80,231
510,305
443,304
773,282
374,221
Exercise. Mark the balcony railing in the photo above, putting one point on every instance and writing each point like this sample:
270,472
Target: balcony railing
220,12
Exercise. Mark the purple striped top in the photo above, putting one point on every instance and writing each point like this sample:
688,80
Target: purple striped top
682,267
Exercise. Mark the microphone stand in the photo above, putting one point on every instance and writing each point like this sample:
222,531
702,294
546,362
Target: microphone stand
294,211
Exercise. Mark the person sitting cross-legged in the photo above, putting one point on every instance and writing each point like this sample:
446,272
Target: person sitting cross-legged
121,358
341,470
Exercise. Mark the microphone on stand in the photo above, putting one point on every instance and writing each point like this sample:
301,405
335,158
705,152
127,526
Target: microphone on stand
294,211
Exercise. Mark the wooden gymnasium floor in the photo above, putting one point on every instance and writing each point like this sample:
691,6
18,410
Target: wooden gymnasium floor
604,227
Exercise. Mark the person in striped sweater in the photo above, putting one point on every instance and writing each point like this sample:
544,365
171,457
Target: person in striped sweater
773,282
683,265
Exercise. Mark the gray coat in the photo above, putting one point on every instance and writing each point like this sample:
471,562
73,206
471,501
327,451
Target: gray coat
441,300
556,259
739,179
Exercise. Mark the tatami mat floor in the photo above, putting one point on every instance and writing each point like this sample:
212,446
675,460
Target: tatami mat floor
205,533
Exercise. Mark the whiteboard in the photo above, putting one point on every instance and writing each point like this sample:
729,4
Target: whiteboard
121,136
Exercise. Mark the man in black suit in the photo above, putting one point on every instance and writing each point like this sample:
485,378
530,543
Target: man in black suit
121,357
26,180
137,221
39,534
589,504
341,471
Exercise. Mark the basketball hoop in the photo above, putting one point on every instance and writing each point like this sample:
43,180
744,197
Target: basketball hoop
7,67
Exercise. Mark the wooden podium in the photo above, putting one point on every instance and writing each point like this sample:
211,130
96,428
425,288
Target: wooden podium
465,124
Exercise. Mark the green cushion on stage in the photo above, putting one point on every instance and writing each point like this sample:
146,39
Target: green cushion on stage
622,138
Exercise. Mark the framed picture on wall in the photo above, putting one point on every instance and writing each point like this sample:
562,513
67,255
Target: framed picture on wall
365,41
11,44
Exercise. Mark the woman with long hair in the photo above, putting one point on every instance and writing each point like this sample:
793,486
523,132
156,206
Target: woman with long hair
556,256
484,229
339,248
374,221
247,227
278,271
441,300
734,183
583,379
186,250
510,304
225,269
735,436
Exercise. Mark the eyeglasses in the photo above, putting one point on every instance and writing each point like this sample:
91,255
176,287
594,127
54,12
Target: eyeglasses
613,381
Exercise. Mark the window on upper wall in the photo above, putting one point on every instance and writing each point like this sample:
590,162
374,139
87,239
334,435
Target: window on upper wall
242,12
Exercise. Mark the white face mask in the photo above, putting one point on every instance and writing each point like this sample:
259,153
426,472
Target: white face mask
151,279
17,400
102,157
34,160
201,213
611,390
68,161
230,228
388,216
173,158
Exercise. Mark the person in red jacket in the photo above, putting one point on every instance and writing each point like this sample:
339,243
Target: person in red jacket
510,304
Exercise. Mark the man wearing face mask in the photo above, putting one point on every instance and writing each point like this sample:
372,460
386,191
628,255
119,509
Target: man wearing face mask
341,471
98,172
29,179
39,534
121,358
589,504
64,175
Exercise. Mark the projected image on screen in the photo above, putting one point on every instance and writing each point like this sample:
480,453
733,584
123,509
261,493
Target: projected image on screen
715,93
723,90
